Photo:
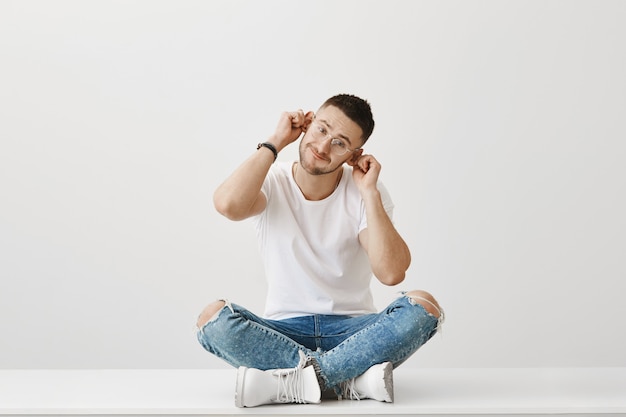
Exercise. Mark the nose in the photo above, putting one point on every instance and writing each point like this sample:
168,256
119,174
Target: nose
324,144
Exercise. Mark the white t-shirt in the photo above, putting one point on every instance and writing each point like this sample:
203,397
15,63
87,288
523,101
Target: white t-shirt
313,260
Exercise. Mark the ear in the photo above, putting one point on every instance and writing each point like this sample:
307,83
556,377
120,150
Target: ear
308,119
356,155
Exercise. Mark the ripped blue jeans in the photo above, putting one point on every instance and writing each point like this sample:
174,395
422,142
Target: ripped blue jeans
342,346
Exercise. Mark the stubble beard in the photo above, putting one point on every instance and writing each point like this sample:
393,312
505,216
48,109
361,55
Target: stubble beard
314,170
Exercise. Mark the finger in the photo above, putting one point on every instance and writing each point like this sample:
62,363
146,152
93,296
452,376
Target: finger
289,116
368,163
363,163
297,118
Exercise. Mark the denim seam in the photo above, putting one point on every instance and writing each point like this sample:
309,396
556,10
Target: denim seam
316,331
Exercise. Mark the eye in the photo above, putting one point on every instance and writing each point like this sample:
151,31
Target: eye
339,143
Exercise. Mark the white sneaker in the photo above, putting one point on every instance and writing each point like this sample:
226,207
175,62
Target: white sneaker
376,383
292,385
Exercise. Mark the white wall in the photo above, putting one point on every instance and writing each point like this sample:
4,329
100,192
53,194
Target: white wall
500,128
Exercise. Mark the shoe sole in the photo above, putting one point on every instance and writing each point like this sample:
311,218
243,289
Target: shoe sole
241,376
388,380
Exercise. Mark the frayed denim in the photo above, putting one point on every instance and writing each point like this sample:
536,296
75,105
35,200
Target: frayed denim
341,347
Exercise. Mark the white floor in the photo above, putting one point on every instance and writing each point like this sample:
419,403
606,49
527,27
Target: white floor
493,392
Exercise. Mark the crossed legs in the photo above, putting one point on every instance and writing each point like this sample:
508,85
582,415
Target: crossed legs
243,339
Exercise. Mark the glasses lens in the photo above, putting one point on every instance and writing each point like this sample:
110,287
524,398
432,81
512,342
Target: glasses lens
338,147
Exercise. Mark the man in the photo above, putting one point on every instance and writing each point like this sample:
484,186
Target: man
324,227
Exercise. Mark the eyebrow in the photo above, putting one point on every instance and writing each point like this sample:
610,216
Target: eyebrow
341,135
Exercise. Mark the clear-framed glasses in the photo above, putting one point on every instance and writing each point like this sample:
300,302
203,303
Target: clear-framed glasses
338,146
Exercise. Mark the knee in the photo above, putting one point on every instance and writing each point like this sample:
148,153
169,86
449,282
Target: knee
426,300
209,313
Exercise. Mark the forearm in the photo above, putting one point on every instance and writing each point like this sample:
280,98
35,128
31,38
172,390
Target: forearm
240,196
237,197
388,253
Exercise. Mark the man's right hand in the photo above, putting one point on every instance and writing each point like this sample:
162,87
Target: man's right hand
290,127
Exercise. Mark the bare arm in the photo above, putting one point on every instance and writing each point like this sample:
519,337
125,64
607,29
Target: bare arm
240,196
388,253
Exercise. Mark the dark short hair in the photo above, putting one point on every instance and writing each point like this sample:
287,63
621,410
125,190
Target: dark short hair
357,109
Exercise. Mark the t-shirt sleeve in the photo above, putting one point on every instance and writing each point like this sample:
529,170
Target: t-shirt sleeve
266,189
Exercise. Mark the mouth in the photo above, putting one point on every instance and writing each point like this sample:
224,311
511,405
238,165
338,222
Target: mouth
317,155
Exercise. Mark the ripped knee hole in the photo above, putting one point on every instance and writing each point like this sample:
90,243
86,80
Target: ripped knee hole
210,313
426,301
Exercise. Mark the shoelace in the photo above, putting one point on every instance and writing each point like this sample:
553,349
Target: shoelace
290,383
349,391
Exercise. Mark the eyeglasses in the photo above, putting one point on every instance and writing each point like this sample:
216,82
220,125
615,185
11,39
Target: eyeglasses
338,146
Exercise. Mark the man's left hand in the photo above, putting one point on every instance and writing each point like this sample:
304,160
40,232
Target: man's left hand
365,173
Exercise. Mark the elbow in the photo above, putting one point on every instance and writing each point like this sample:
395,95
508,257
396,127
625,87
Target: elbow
226,208
391,278
393,271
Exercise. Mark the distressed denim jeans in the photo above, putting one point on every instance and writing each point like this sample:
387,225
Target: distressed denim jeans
343,347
